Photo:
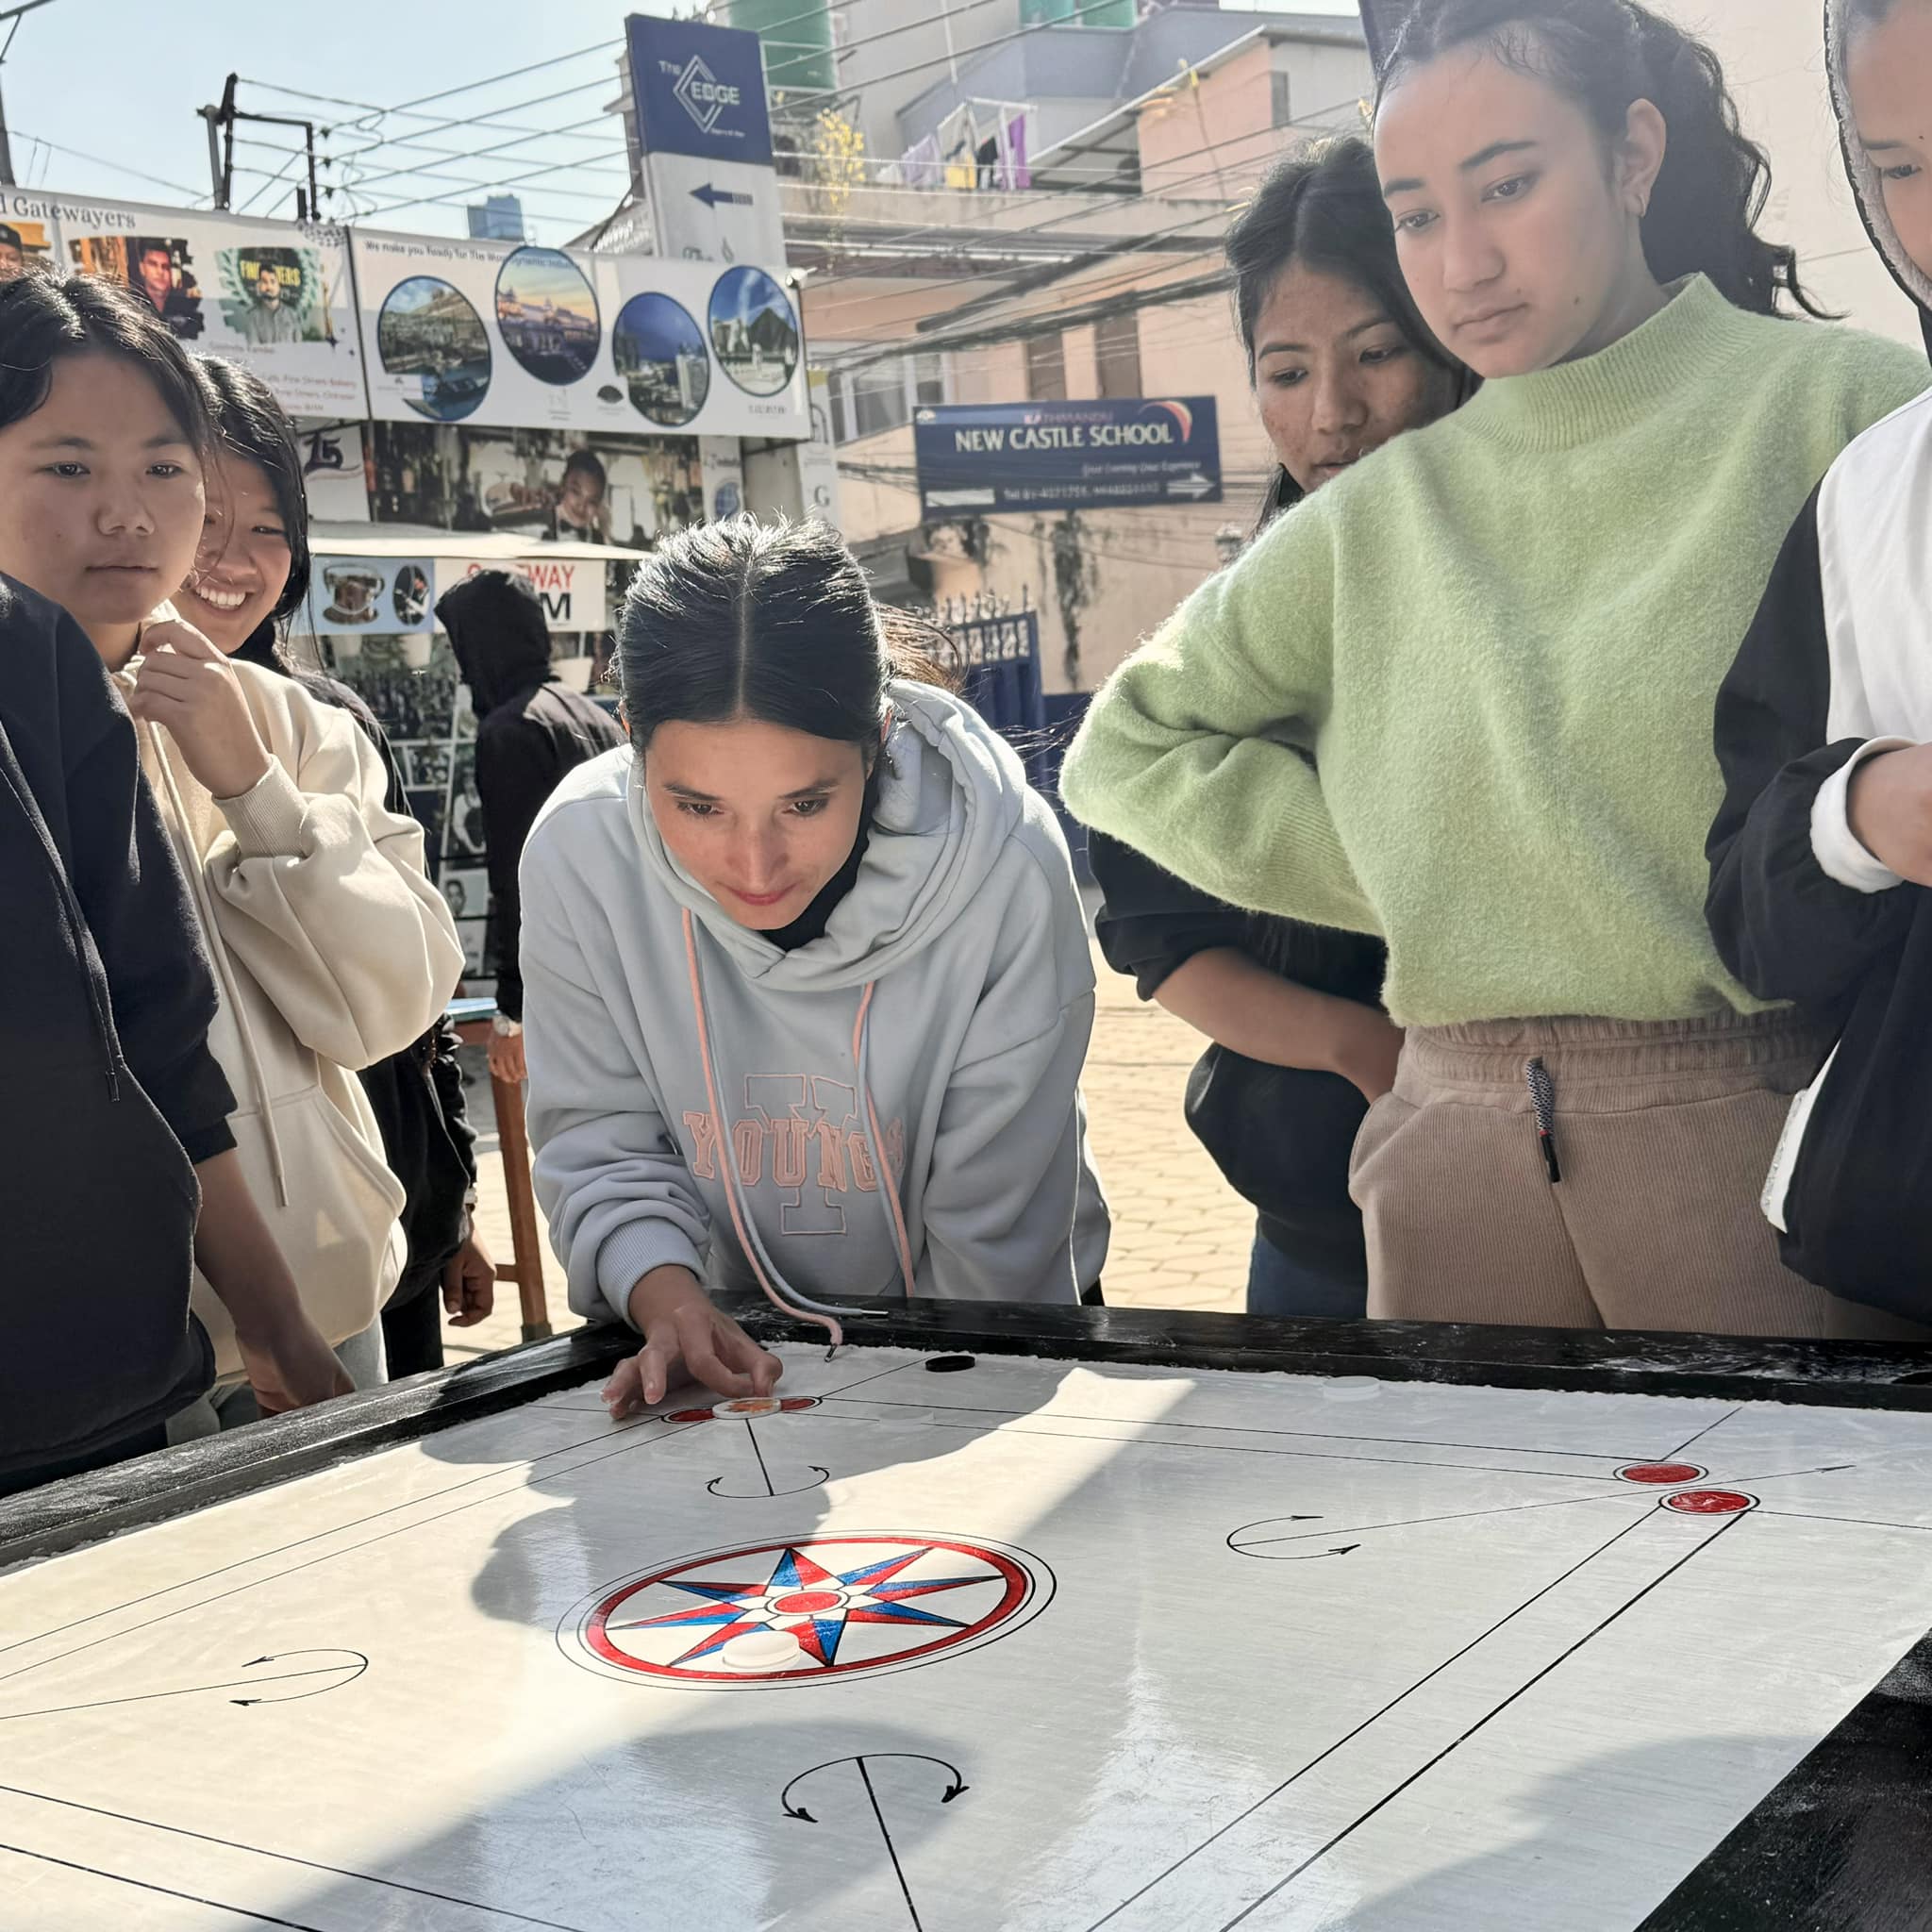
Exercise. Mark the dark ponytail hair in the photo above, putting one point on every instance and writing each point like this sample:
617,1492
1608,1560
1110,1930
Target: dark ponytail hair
47,315
1321,206
775,621
1604,55
251,425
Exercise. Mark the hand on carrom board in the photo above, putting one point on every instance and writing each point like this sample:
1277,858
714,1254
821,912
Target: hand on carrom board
685,1336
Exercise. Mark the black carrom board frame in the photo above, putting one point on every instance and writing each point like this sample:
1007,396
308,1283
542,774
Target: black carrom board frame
1842,1844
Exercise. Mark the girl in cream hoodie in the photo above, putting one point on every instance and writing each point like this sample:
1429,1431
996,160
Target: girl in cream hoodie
331,948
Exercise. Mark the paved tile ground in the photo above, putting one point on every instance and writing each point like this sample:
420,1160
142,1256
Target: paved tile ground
1180,1234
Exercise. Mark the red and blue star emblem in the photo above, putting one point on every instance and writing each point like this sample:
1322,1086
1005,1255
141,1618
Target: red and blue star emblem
817,1608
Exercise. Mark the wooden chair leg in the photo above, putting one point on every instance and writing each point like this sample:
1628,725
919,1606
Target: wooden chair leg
526,1241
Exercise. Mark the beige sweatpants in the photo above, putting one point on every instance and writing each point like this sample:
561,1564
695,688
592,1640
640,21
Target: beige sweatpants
1663,1135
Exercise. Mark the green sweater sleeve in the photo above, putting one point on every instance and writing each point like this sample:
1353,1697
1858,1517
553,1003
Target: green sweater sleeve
1186,753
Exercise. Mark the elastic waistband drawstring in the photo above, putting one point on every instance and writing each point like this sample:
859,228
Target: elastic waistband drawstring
1542,1098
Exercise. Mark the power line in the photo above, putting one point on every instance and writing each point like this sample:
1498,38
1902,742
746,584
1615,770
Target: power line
119,167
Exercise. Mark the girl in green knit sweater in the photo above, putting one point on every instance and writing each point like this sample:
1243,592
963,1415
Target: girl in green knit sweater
1502,638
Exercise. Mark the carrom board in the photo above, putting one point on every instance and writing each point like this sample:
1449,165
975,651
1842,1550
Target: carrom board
1025,1646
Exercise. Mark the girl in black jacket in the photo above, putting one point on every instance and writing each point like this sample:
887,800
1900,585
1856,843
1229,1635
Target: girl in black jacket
1822,855
114,1117
1340,362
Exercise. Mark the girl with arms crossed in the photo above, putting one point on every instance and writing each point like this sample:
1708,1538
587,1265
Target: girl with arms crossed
1502,638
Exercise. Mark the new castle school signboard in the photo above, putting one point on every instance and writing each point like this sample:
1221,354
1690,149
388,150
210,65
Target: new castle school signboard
1111,455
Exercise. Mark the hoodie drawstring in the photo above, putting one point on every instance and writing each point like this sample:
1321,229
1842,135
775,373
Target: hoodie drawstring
800,1307
1542,1099
218,954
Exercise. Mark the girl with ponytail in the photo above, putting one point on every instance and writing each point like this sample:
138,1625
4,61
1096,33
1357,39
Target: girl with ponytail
1502,637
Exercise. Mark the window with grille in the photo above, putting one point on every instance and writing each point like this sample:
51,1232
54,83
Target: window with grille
1117,348
1046,368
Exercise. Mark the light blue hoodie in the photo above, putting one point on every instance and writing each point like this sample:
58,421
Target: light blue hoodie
936,1030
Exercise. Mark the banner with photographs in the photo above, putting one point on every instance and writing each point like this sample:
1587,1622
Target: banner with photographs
542,338
274,296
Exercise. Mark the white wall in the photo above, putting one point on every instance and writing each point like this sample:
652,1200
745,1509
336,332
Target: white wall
1773,54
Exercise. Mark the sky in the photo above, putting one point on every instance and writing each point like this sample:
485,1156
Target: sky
116,83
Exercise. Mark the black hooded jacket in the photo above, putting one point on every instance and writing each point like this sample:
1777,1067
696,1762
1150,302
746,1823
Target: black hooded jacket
1281,1136
531,729
110,1092
1834,669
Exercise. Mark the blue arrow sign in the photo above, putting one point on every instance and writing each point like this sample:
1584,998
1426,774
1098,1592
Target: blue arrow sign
719,198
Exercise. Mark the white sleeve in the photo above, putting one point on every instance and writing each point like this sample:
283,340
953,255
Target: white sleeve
1835,846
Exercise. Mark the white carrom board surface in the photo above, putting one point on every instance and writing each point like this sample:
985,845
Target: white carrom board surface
1058,1648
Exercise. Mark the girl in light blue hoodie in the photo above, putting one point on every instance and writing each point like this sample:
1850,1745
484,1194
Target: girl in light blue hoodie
807,981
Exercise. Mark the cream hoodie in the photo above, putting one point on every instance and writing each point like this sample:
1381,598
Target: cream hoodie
331,950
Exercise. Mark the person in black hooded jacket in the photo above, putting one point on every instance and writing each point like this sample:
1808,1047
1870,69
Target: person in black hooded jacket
112,1093
531,729
1341,361
1821,858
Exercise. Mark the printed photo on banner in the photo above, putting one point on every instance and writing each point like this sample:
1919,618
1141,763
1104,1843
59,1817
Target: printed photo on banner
22,243
754,332
467,890
380,596
430,339
462,837
272,295
157,267
547,313
545,485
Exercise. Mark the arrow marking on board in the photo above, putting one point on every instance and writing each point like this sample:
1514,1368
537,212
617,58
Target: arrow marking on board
819,1476
720,197
946,1797
355,1669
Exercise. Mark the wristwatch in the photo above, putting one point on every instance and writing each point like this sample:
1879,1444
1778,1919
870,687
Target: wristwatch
504,1027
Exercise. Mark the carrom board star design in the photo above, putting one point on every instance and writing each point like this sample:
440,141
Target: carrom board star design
810,1612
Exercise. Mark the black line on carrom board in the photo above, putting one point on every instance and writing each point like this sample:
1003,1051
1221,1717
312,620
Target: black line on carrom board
892,1850
1702,1433
1548,1476
1241,1429
1862,1521
752,1435
229,1844
1411,1521
1375,1717
636,1439
8,1717
193,1898
1522,1689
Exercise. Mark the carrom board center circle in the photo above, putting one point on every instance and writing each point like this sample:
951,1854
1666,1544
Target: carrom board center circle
855,1605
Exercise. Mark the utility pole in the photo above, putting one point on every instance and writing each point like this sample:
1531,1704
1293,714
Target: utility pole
220,151
11,16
